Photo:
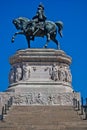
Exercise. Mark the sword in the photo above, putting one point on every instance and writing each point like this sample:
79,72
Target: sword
36,31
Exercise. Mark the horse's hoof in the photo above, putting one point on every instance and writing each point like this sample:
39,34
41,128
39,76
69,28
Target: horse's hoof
12,40
44,46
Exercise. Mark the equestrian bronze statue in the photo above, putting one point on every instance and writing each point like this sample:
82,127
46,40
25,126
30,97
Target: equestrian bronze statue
38,26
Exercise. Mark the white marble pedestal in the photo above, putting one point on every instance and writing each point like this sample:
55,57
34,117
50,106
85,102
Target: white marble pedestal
41,77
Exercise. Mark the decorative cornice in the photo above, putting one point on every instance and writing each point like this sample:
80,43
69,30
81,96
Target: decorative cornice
40,55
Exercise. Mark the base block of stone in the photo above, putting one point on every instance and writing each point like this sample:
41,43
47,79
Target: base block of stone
43,94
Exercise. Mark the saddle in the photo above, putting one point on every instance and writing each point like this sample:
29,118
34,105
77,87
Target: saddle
40,25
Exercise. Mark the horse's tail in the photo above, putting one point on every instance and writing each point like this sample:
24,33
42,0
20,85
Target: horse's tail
60,27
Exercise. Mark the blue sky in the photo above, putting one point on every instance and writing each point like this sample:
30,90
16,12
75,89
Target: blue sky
73,13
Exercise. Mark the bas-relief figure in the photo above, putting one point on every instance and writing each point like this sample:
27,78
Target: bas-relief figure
29,99
12,76
26,72
68,74
39,99
54,73
18,73
22,72
60,73
38,26
42,98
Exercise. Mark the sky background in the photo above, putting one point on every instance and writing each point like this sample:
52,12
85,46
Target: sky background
73,13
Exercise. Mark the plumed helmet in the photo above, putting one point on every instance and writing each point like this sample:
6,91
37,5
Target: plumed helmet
41,6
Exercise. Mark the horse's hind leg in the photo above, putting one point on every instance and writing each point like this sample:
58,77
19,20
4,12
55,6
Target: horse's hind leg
28,41
57,43
48,39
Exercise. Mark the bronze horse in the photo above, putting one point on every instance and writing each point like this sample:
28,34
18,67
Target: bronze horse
31,29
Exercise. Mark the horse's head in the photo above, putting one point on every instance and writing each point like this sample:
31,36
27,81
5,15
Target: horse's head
20,23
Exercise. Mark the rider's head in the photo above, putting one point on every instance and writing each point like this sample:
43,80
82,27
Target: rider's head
40,7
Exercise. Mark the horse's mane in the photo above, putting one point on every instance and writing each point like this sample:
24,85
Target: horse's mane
24,19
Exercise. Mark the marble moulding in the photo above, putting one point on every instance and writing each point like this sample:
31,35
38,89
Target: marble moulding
41,76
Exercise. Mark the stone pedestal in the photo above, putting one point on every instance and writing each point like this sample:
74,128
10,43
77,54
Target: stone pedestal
41,76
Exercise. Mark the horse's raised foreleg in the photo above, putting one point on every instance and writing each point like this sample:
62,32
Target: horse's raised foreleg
13,38
48,39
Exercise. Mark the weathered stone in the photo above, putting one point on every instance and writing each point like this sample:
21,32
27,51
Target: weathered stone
41,77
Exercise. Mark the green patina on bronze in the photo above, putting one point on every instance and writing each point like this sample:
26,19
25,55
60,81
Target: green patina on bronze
38,26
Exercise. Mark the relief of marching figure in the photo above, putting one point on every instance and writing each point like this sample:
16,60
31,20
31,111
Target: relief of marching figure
60,73
41,98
